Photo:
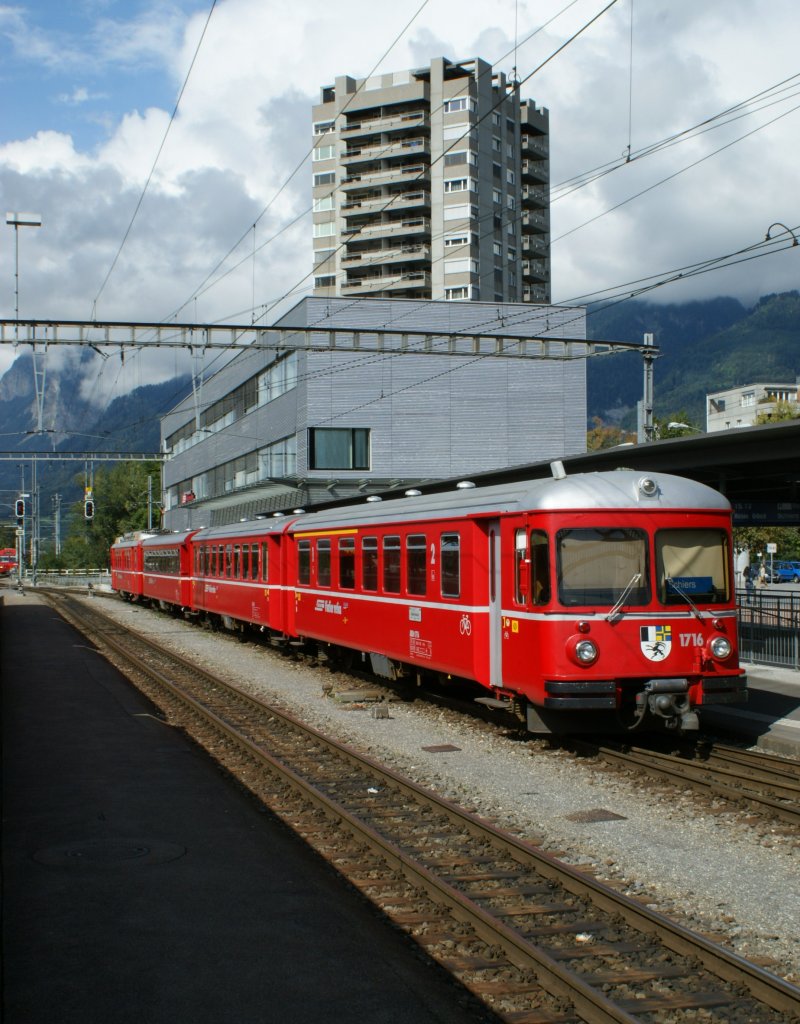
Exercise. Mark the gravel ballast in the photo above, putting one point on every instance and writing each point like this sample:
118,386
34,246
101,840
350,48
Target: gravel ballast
714,867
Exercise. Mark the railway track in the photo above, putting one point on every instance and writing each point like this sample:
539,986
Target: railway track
764,782
536,939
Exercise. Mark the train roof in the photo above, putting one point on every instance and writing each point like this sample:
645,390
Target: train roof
618,489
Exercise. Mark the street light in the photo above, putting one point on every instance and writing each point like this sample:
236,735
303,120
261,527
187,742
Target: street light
675,425
17,221
777,224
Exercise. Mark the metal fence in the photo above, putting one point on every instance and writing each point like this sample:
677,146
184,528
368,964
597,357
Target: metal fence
769,627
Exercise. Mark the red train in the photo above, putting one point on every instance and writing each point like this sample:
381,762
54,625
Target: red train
8,561
596,602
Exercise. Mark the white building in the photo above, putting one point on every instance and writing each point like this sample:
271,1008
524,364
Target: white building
739,407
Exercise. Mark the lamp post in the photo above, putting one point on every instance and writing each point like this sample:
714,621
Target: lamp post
675,425
17,221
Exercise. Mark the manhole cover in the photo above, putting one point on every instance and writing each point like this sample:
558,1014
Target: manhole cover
109,851
595,815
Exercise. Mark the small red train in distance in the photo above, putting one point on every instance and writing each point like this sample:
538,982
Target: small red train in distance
597,602
8,561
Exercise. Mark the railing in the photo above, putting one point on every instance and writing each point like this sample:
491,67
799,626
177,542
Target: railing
769,627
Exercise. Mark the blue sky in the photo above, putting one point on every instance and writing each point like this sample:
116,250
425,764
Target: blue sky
89,87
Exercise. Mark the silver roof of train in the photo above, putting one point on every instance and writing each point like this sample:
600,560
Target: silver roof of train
619,489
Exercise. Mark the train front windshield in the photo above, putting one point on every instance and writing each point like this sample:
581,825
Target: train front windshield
606,565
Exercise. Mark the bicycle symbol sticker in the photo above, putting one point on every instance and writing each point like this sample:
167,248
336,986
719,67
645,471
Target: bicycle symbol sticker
465,626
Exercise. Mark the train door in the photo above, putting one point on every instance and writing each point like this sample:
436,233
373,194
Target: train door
495,605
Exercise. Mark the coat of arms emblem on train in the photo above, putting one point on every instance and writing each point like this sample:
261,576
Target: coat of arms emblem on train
655,641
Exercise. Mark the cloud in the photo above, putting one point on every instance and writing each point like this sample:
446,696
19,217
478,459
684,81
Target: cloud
234,155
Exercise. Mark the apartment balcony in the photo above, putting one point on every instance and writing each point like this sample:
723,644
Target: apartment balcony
413,281
536,246
535,170
391,229
534,270
392,201
532,195
390,123
380,257
536,293
391,175
532,221
399,149
535,146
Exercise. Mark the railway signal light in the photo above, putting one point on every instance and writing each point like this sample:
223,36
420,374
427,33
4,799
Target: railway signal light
19,508
88,509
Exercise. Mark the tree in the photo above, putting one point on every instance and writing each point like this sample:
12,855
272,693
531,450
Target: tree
120,506
780,411
603,436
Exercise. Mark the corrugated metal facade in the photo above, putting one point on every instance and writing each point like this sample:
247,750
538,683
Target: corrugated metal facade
429,416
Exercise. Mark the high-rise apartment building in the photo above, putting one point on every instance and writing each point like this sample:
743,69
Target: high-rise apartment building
433,184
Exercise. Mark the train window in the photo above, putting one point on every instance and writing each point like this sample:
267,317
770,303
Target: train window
347,563
521,567
539,567
304,561
416,563
450,564
692,564
237,564
228,560
264,562
391,565
245,563
214,560
254,561
324,562
602,565
369,563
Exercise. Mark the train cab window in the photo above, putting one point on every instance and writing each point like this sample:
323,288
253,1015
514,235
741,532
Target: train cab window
264,561
450,564
254,561
304,562
369,563
692,564
347,563
602,566
531,567
391,565
324,563
416,563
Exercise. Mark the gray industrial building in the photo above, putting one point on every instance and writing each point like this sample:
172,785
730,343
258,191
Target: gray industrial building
431,183
283,427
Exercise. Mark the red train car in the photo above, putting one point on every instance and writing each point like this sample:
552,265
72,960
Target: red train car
598,602
126,563
238,575
167,569
8,561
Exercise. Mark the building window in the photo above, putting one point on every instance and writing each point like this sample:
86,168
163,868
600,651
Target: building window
461,103
324,230
323,127
497,249
460,185
326,281
455,240
324,153
511,202
461,266
326,178
338,448
458,157
510,177
462,211
456,294
497,196
497,144
325,203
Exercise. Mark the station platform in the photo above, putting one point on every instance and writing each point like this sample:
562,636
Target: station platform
141,884
771,716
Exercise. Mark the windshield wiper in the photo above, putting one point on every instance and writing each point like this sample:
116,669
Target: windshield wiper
621,599
682,593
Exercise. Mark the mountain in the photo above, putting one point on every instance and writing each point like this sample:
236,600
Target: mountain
72,423
704,347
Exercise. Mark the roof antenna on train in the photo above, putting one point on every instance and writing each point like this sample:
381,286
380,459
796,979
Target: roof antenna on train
558,471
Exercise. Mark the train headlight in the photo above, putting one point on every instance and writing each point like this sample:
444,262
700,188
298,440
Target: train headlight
721,647
585,652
